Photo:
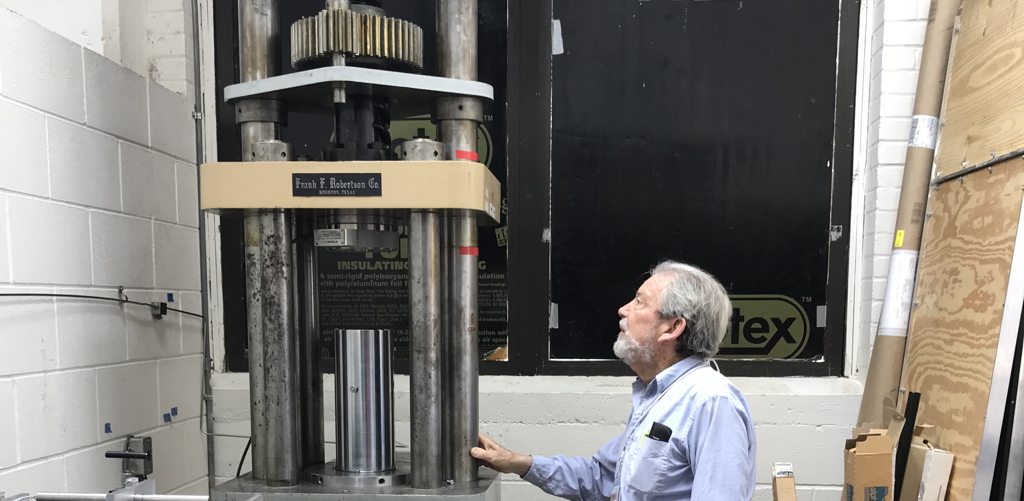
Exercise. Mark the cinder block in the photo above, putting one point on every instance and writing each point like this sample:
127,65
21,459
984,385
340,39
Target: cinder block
49,242
166,6
177,257
22,148
827,493
523,491
89,471
56,412
172,68
90,332
149,337
165,22
904,32
227,452
188,194
191,327
169,458
28,332
545,440
122,249
115,98
47,476
555,409
198,488
195,441
8,432
181,382
172,129
84,167
163,45
41,69
815,451
148,183
792,409
127,398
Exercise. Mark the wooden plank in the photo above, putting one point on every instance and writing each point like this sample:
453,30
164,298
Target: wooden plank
961,285
984,110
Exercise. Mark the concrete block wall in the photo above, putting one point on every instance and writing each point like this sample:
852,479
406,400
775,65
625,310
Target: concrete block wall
97,191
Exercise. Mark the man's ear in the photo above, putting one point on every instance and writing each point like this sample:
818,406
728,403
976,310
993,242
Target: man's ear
673,329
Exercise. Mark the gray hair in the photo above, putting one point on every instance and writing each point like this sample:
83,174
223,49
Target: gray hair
695,295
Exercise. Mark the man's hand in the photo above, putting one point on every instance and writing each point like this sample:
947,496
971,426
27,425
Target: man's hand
501,459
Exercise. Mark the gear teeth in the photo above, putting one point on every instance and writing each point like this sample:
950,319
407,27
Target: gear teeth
342,31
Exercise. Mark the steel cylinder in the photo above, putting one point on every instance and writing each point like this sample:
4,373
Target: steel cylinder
365,401
311,382
280,357
425,312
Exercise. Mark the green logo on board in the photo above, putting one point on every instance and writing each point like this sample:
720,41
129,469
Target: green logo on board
765,326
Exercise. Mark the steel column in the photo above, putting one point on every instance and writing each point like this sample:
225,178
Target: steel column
458,120
425,331
280,371
311,381
258,58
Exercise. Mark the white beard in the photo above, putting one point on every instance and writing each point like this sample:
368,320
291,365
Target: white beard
629,350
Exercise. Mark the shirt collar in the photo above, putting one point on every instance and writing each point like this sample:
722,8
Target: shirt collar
665,378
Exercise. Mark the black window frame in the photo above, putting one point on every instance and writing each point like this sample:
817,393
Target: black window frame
529,180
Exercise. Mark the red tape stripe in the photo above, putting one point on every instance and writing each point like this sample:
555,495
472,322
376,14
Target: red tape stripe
469,251
466,155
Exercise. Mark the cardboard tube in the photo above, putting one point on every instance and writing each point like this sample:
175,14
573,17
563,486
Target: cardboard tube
886,365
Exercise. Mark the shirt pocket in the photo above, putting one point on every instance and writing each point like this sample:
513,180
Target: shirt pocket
650,466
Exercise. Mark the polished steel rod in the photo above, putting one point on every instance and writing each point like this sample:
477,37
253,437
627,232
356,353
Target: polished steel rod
280,357
425,341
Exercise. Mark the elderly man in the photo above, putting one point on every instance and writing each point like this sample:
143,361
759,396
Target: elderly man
689,434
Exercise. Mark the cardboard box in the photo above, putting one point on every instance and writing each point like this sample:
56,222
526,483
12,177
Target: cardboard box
869,462
927,474
783,482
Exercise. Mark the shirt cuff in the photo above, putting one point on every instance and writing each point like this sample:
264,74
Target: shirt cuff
539,470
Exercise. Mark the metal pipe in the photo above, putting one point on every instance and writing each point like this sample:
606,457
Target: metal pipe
280,371
259,43
425,315
258,52
425,341
464,351
457,39
458,120
311,381
254,308
364,389
447,429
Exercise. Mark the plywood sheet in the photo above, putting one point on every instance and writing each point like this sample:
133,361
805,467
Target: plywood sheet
961,285
984,104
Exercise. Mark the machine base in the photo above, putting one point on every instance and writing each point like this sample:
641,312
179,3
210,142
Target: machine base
488,488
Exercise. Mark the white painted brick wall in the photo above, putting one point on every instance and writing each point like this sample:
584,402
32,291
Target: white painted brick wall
98,190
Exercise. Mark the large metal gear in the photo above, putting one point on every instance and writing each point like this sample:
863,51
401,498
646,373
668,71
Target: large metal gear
342,31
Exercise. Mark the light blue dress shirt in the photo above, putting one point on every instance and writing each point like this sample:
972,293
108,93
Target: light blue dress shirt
709,456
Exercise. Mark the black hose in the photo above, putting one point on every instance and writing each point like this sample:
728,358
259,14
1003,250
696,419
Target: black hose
98,298
245,451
